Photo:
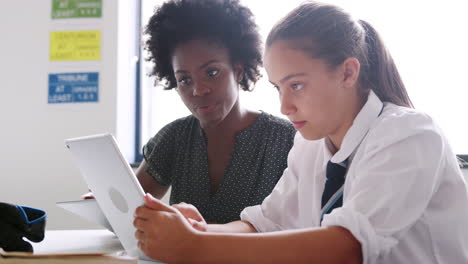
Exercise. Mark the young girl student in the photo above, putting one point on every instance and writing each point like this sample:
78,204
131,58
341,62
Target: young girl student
369,179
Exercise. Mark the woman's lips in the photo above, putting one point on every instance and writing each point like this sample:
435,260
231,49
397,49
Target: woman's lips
206,108
298,124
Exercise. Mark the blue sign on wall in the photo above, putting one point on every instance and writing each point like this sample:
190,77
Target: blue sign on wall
73,87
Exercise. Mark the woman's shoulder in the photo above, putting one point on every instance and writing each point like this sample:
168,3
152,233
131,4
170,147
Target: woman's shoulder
180,124
277,123
176,128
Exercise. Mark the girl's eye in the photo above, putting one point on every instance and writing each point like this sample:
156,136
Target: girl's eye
297,86
185,80
276,87
212,72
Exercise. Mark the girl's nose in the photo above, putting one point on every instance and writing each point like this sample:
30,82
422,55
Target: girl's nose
287,104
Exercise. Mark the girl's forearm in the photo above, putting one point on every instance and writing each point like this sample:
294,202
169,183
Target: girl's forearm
233,227
325,246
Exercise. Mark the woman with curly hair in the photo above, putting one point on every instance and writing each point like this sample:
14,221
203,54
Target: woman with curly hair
223,157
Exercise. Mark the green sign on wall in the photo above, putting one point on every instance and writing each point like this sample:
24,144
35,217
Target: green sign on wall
76,8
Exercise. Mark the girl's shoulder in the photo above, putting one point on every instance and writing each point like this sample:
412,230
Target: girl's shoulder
397,124
403,119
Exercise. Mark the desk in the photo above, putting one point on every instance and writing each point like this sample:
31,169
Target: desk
80,241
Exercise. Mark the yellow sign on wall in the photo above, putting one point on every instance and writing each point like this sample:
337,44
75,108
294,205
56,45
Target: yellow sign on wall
75,45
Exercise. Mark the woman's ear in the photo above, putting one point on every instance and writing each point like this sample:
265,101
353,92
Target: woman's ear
238,72
351,69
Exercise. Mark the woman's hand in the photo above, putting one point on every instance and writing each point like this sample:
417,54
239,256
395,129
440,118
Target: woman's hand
192,215
163,233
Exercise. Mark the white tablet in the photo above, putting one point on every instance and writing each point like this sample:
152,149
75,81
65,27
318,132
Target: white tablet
113,183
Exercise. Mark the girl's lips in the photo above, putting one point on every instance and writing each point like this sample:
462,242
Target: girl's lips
298,124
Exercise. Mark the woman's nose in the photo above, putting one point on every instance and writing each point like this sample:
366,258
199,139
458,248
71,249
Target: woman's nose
200,90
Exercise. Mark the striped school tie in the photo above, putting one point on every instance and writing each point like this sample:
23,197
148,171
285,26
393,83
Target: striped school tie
332,196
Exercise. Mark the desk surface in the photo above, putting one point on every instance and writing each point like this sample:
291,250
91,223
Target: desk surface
80,241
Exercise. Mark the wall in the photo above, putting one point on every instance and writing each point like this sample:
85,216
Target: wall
35,169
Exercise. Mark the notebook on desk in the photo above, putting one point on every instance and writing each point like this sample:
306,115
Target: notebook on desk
113,183
87,209
73,247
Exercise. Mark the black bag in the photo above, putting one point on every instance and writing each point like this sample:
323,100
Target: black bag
17,222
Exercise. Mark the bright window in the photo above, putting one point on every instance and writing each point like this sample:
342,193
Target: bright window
427,39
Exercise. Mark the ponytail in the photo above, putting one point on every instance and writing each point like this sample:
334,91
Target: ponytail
327,32
380,72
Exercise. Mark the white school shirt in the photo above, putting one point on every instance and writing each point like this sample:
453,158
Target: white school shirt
405,199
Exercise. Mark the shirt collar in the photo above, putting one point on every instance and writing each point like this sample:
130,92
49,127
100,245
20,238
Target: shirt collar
358,130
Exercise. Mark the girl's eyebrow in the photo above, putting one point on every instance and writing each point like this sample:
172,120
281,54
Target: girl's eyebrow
288,77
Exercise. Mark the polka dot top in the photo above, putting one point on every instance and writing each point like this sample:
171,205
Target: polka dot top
177,156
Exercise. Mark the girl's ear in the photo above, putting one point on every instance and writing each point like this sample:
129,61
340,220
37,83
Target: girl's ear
351,69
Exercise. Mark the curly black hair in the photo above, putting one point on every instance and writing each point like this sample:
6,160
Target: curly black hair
226,22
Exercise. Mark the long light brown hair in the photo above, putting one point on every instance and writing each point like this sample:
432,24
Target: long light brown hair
329,33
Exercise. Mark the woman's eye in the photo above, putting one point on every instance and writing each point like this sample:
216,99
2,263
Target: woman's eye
297,86
185,80
212,72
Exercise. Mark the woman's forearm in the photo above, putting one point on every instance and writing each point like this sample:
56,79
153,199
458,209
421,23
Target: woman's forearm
326,246
148,183
233,227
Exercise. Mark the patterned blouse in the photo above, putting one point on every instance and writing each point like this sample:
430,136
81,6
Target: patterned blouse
177,156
